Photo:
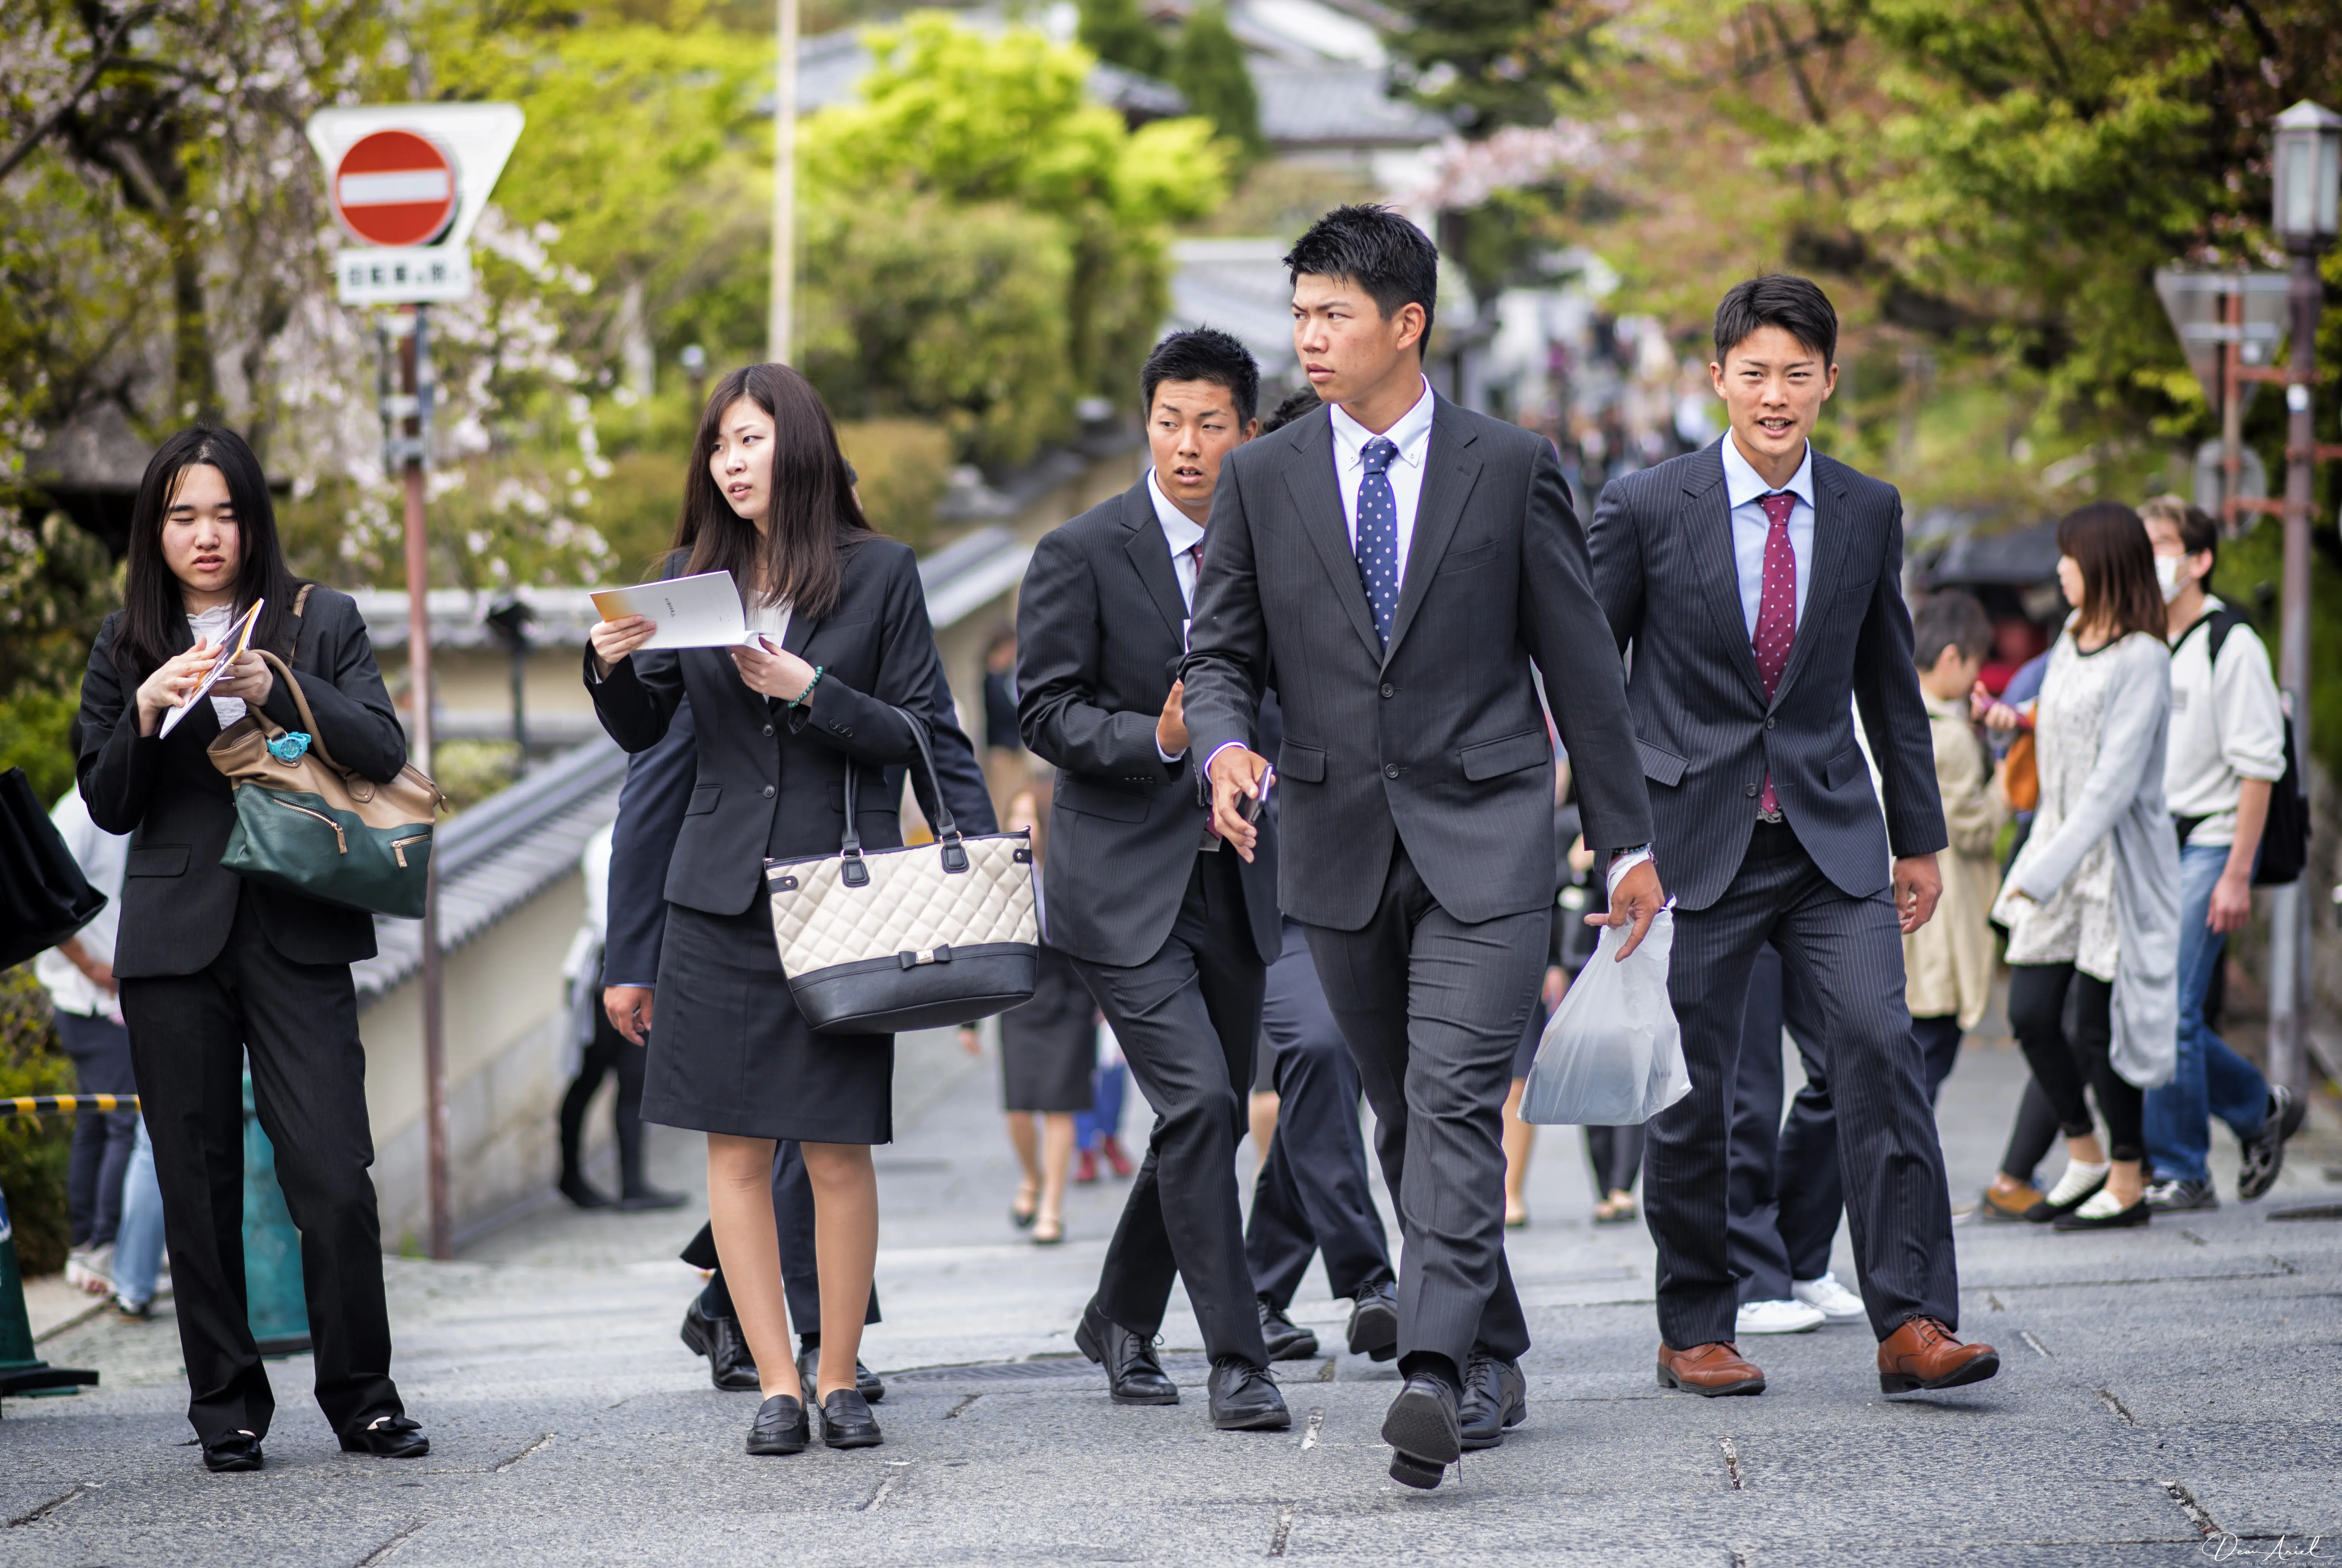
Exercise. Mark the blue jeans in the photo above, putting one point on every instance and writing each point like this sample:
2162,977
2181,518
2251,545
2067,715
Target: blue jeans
1103,1119
2211,1079
138,1245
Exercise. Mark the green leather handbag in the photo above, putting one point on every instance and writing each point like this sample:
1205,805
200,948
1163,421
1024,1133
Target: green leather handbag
306,824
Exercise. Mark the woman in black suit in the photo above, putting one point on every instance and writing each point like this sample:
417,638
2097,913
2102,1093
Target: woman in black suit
1048,1060
214,968
845,668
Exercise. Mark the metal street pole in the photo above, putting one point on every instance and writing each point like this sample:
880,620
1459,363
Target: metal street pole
785,186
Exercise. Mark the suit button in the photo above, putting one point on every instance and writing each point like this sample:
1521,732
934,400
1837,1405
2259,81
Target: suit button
1769,721
768,792
768,729
1751,791
1390,770
1389,690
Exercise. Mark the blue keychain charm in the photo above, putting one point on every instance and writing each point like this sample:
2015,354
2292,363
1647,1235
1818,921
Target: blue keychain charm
289,747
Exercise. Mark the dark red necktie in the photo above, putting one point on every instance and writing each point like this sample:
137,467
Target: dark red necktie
1777,610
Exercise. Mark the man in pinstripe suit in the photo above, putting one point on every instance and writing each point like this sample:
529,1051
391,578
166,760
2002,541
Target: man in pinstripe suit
1399,563
1759,586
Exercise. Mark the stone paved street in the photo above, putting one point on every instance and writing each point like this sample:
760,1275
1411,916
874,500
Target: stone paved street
2160,1394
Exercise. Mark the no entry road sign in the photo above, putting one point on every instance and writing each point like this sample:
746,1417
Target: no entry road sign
394,188
408,181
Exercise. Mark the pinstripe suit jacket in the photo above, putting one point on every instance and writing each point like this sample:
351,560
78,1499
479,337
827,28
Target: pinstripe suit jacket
1663,566
1436,739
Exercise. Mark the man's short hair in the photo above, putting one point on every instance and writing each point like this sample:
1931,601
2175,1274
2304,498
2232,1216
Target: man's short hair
1795,305
1295,405
2199,534
1203,354
1375,248
1950,619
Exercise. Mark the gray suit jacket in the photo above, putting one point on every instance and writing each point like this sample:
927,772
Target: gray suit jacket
1663,563
1438,741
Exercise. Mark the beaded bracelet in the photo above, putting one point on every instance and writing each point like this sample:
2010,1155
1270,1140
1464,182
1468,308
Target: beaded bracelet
806,695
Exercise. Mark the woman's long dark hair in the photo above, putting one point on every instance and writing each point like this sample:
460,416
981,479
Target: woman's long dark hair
814,520
2110,544
153,608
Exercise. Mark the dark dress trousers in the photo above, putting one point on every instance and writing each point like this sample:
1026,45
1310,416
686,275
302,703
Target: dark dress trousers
1048,1047
1173,939
1815,886
1784,1196
215,970
733,1054
1418,798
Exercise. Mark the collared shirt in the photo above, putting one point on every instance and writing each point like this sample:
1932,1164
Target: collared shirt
1412,436
212,625
1750,527
1182,533
2227,726
104,858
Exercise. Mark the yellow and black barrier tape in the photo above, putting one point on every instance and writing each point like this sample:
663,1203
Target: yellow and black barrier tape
47,1104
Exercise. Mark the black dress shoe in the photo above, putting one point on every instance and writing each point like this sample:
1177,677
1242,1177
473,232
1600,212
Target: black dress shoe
846,1421
1286,1339
583,1193
236,1451
1374,1321
637,1199
1423,1431
1133,1375
1244,1398
388,1437
730,1367
1496,1396
2137,1214
867,1382
780,1427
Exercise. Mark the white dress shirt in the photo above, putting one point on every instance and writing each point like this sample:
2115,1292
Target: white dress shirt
212,625
104,858
1750,528
1412,436
1182,533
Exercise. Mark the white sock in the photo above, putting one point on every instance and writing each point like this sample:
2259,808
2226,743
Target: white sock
2103,1204
2078,1179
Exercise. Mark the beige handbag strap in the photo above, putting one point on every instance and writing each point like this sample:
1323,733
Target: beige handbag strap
301,702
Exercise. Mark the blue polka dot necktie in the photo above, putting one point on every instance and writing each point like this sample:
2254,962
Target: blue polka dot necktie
1377,543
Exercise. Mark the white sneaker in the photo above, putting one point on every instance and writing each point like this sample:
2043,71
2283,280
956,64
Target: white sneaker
1778,1317
1832,1300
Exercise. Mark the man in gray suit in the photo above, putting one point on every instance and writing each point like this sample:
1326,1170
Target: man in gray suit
1406,569
1759,585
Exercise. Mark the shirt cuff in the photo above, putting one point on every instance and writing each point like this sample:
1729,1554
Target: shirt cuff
1170,758
1624,861
1216,754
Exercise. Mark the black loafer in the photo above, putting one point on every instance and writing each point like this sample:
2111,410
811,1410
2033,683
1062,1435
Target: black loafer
387,1437
730,1367
867,1382
649,1197
780,1427
2046,1212
1244,1398
1285,1340
582,1193
846,1421
2138,1213
236,1451
1423,1432
1496,1396
1374,1321
1133,1375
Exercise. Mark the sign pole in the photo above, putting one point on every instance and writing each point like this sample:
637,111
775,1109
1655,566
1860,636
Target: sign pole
785,186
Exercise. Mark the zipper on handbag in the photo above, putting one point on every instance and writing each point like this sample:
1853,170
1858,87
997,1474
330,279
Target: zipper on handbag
341,840
399,846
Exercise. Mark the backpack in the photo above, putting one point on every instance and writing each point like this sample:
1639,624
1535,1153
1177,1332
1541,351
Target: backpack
2284,837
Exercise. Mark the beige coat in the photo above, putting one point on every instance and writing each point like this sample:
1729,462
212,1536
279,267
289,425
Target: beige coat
1949,959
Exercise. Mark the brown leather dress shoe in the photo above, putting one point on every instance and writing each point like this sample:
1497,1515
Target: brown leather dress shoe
1922,1355
1708,1369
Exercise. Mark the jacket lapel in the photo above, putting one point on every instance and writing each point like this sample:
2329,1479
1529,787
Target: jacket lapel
1705,515
1150,557
1831,541
1450,469
1310,480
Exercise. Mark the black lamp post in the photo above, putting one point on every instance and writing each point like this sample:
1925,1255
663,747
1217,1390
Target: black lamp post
511,618
2307,186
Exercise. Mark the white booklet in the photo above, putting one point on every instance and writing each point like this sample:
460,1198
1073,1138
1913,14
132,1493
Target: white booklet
234,641
702,612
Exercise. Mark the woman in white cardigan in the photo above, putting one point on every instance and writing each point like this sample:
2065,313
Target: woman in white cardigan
2092,901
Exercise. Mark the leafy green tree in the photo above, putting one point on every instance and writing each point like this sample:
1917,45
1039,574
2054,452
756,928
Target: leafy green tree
1492,63
1207,64
1118,33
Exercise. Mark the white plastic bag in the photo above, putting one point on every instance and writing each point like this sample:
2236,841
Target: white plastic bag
1613,1055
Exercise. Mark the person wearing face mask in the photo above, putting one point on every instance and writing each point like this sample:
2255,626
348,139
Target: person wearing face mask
2226,753
843,668
213,969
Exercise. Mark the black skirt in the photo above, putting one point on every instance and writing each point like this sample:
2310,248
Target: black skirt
731,1054
1048,1047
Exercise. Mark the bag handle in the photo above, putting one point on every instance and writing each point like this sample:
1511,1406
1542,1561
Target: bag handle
947,827
301,703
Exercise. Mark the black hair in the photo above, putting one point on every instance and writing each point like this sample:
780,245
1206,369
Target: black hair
1795,305
1951,619
1203,354
2198,534
1295,405
154,604
1376,248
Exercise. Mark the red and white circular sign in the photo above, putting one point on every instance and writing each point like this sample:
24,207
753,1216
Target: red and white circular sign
394,188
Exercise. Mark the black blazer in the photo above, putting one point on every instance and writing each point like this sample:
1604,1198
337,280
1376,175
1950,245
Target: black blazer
1098,641
1438,741
771,779
1663,563
651,806
177,902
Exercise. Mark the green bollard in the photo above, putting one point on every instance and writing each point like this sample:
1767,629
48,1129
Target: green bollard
275,1304
21,1371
